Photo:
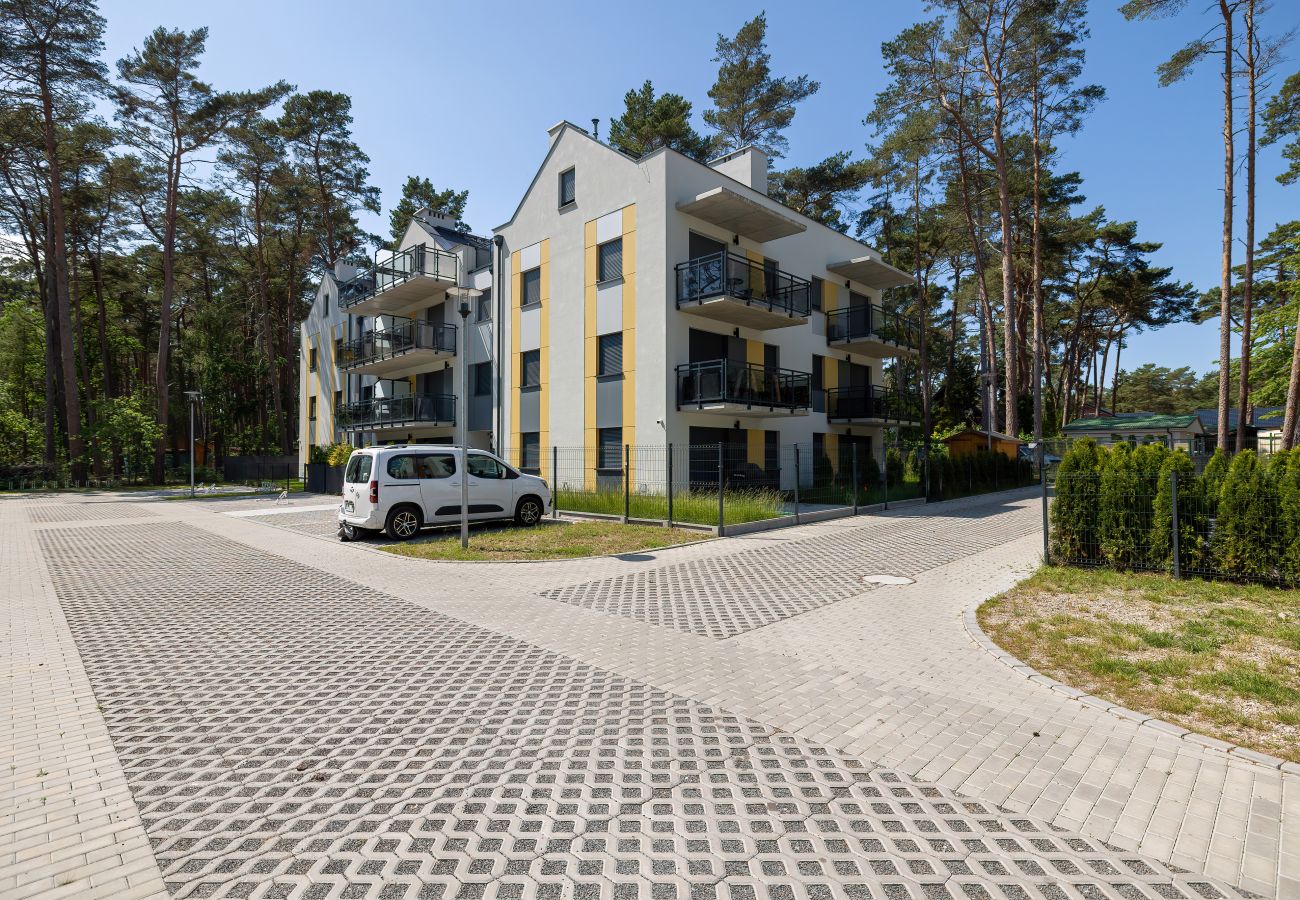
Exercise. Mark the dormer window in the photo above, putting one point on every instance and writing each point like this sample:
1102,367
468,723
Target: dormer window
568,187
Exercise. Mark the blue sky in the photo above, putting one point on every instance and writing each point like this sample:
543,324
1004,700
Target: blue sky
468,104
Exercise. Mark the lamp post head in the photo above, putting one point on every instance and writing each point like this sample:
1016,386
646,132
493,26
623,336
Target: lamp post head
193,396
466,297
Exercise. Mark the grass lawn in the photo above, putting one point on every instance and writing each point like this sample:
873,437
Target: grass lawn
549,540
1217,658
696,507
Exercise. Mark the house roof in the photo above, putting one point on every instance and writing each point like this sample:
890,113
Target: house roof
1263,417
1132,422
979,431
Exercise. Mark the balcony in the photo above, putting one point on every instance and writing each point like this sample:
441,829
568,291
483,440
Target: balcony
730,288
384,414
399,281
870,405
728,388
871,330
403,347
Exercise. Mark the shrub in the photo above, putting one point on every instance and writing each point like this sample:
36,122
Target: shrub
1286,479
1216,470
338,454
894,465
1120,529
1244,538
823,472
1191,515
1074,512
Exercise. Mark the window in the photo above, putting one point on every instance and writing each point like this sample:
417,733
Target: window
530,451
532,288
401,467
530,369
816,298
481,466
338,399
436,465
367,392
568,187
358,470
338,349
481,379
610,361
610,449
311,360
311,408
818,383
610,260
483,307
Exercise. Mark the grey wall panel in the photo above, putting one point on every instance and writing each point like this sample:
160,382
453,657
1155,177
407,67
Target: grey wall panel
609,403
530,411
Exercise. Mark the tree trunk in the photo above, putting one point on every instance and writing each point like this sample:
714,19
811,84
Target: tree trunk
165,312
1244,413
1010,356
1225,272
1036,275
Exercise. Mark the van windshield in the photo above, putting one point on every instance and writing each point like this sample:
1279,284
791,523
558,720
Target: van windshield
358,471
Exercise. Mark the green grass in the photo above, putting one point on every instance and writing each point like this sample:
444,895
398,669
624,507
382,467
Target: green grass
693,507
550,540
1216,657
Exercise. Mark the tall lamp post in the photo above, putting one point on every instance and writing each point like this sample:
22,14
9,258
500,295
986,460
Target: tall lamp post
465,296
194,399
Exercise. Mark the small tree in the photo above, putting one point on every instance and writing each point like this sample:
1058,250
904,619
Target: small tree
1074,514
1149,460
1118,525
1285,467
1216,470
1191,514
894,466
1244,540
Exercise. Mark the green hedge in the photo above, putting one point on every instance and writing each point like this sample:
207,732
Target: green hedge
1239,518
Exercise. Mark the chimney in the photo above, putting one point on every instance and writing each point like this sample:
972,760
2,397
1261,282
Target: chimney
344,271
748,165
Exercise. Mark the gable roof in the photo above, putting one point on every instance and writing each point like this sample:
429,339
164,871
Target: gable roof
1132,422
984,434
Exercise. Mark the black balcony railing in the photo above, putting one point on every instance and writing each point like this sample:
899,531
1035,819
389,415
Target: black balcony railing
387,412
397,338
395,268
727,381
726,274
871,402
871,322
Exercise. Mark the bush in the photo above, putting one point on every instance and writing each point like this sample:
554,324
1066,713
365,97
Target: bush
1285,471
1074,512
1121,531
1244,537
894,465
1191,515
1216,470
339,454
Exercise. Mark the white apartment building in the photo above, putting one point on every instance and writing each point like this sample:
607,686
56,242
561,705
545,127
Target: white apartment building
381,347
638,302
661,300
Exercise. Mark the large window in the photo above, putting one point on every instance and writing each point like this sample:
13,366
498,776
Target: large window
610,450
610,260
436,465
481,376
530,369
568,187
532,288
611,354
530,451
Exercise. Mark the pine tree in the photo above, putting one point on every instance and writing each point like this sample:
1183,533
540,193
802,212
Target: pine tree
649,122
749,105
419,193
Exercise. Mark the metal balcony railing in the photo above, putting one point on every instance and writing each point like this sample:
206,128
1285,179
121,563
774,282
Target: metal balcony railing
386,412
399,337
871,402
725,274
727,381
395,268
872,322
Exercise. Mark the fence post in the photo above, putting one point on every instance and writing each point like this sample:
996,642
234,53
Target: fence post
885,470
853,477
555,477
721,520
1047,553
627,482
1173,524
670,485
796,484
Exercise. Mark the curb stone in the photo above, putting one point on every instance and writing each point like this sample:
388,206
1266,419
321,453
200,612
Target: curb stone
980,637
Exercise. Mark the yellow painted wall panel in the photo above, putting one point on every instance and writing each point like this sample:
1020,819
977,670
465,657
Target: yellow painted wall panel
754,352
756,443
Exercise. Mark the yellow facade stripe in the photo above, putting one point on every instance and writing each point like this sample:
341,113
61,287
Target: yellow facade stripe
756,441
831,446
516,292
754,352
830,372
629,332
830,296
590,351
545,400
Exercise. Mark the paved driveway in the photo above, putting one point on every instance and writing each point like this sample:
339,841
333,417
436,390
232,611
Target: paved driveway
216,699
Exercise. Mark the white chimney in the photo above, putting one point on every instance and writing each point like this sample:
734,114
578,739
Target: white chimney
748,165
344,271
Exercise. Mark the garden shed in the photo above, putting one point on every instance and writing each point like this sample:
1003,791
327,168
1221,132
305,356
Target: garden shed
972,440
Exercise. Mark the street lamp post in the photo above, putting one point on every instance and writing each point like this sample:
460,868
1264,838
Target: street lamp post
194,399
465,295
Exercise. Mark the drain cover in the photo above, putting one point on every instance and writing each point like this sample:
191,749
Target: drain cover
886,579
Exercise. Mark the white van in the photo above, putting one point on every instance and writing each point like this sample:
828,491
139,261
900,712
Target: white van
402,489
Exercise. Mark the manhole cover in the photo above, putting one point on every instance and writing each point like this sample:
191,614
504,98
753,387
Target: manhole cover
886,579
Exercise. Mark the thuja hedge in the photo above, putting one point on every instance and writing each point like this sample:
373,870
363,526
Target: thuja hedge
1239,518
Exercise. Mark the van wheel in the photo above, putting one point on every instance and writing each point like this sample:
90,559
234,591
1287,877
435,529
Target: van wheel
403,523
529,512
352,532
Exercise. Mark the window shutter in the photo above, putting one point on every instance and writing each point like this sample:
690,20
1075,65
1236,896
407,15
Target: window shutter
611,259
531,363
611,448
532,287
611,354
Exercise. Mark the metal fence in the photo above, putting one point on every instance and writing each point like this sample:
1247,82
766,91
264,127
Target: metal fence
1179,524
746,481
260,471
